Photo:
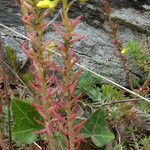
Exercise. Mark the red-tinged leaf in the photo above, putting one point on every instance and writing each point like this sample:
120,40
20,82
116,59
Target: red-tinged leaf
64,133
75,99
73,62
71,53
1,78
37,65
47,128
62,34
80,125
72,87
74,34
78,140
63,55
36,98
50,79
76,21
52,64
60,46
28,6
55,120
38,80
58,69
54,90
46,44
56,115
32,37
50,93
39,109
32,69
43,26
76,75
35,87
76,40
27,19
72,117
26,51
60,86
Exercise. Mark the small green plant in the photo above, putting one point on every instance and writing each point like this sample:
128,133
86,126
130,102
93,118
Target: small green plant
145,142
119,147
111,93
139,54
12,59
26,77
89,85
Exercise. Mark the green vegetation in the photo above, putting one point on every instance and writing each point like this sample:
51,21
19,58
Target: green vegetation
60,108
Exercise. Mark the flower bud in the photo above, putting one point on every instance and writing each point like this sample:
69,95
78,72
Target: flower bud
47,4
123,51
43,4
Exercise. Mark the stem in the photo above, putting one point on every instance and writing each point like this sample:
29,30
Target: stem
71,135
51,141
66,77
113,36
41,72
97,105
147,82
70,129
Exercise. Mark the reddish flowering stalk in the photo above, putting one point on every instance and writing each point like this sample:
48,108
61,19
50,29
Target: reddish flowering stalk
68,85
43,91
51,95
119,46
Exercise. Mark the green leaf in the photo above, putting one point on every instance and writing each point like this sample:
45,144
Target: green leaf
94,94
12,59
24,116
60,141
26,77
138,54
96,129
111,93
86,81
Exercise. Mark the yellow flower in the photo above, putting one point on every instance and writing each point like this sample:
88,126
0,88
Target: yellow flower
47,4
43,4
123,51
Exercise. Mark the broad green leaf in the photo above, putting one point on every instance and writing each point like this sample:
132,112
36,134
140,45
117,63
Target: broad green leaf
24,116
96,129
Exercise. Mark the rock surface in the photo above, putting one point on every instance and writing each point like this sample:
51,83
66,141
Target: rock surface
96,51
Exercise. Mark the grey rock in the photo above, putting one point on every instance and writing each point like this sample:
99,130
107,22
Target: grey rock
133,19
